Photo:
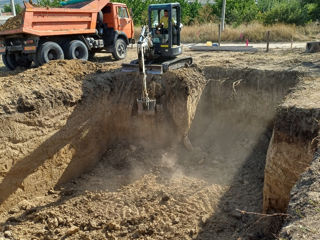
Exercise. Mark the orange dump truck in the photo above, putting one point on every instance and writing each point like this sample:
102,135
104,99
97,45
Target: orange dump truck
74,31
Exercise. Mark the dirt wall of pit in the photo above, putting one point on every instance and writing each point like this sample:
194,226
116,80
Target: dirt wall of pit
58,120
304,205
242,96
277,113
292,146
292,172
235,115
232,129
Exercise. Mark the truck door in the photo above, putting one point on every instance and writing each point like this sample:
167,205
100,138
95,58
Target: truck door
125,22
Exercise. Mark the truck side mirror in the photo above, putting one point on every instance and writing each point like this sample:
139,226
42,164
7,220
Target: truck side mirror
131,12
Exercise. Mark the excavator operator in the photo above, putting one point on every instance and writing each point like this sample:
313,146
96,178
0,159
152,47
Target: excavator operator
164,20
162,28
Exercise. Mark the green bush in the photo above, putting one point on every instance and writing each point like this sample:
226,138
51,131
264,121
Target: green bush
297,12
313,9
266,5
49,3
291,12
189,11
238,11
7,8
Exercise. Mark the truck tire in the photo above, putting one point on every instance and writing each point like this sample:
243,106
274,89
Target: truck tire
12,61
49,51
7,63
76,49
120,49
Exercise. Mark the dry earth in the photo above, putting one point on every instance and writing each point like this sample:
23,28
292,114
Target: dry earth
138,190
12,23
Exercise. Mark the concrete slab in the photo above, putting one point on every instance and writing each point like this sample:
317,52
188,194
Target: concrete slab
224,48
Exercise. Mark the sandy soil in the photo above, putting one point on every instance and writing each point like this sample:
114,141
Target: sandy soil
138,192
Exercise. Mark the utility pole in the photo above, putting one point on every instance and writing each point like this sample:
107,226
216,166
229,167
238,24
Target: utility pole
13,8
223,15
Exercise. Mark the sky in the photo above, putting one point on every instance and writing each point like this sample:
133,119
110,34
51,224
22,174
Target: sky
3,2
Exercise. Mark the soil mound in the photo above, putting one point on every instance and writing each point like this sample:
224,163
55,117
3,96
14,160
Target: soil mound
57,82
13,22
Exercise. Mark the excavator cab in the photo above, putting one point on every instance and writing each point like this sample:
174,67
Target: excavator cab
165,26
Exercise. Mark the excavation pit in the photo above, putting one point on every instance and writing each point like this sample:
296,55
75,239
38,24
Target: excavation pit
78,162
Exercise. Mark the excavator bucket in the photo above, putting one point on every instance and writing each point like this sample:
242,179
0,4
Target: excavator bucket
150,68
146,107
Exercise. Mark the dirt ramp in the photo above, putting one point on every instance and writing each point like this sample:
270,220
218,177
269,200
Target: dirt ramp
57,120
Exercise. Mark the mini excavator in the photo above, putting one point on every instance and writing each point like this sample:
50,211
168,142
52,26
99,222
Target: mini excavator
158,49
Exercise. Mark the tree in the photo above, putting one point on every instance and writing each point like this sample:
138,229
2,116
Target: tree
49,3
266,5
206,14
313,8
291,11
189,11
7,8
238,11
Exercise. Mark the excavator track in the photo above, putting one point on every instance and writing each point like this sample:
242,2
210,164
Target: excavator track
158,68
176,63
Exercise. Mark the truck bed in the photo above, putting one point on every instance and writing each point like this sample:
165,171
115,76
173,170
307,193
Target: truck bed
58,21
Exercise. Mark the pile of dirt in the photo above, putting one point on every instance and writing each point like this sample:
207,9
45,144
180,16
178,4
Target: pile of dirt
127,196
13,22
29,91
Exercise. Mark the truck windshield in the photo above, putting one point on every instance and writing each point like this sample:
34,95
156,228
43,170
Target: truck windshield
122,12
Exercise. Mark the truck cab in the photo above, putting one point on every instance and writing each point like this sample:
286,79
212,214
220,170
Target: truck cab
76,30
117,26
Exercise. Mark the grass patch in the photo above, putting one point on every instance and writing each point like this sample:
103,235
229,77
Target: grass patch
254,32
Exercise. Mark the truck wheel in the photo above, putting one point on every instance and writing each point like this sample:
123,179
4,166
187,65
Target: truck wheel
49,51
120,49
76,49
91,55
12,61
7,63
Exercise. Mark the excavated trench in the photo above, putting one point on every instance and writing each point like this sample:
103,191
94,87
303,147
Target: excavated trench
139,175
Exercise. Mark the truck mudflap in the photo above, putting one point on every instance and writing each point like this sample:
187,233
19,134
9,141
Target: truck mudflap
176,63
18,45
2,47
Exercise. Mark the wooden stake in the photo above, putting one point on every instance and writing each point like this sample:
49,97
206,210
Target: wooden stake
268,41
219,35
